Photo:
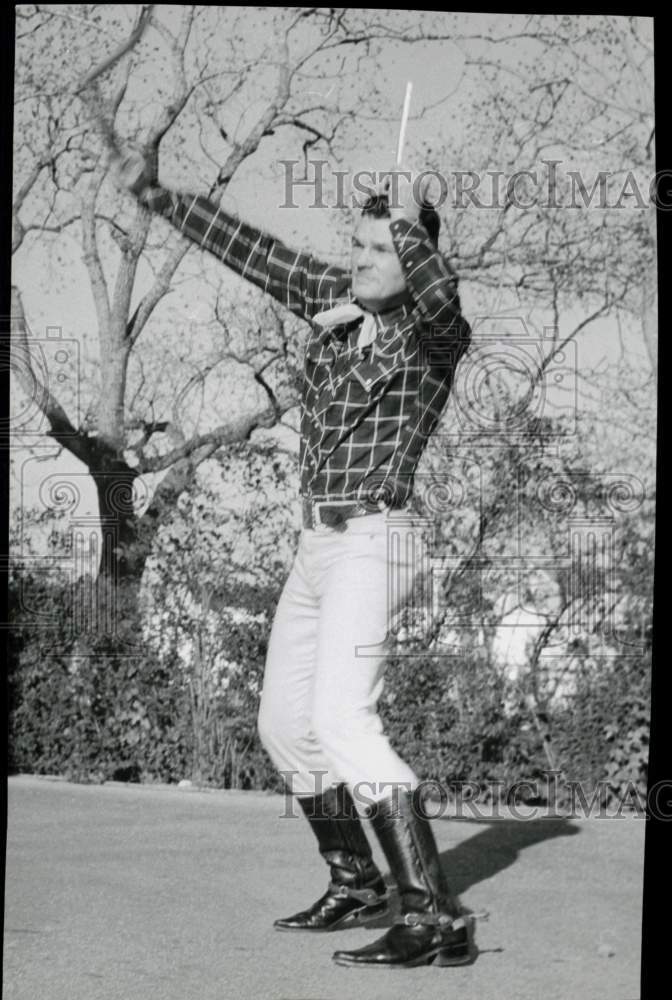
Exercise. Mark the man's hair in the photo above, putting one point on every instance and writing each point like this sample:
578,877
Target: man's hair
378,207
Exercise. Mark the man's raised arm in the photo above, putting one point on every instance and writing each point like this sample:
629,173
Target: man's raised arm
429,278
297,280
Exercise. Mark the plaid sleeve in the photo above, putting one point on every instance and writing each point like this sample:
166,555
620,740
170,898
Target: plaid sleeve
429,278
301,283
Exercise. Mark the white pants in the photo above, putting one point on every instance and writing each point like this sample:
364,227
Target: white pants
318,716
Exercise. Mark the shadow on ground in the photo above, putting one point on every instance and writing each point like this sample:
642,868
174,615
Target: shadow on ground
487,853
496,847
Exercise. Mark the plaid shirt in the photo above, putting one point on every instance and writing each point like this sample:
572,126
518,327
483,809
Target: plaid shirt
366,413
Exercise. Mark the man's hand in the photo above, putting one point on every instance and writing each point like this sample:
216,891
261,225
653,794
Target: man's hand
406,190
130,170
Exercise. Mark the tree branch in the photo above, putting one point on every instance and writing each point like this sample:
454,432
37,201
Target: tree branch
96,102
236,430
171,112
241,150
91,256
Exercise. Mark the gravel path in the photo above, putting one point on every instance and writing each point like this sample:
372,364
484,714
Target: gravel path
123,892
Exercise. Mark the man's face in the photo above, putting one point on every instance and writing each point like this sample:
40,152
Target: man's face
377,276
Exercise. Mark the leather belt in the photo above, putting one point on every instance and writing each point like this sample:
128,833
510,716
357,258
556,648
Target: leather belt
334,514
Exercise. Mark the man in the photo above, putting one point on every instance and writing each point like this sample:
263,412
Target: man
379,363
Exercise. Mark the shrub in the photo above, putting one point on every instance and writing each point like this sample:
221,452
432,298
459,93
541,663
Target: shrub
91,708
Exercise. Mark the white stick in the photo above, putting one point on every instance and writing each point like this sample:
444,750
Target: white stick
404,119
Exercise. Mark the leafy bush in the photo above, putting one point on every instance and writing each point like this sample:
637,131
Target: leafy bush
91,709
447,717
604,735
101,707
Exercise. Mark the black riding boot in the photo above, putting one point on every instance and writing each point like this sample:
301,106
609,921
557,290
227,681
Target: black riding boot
430,928
356,891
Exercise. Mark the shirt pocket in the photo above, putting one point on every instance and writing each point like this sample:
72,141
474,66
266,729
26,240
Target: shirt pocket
370,376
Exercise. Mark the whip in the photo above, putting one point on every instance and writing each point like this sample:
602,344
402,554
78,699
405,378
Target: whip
404,121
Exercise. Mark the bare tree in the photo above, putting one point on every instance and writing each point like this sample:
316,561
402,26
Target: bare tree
151,84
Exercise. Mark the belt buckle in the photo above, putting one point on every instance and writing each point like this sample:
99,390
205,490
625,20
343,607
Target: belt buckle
316,507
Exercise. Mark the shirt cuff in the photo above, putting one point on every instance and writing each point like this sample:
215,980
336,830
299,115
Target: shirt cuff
409,234
157,199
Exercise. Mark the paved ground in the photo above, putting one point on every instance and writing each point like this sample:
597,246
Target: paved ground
145,893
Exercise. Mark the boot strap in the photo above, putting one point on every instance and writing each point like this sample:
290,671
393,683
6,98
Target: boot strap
429,920
368,896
